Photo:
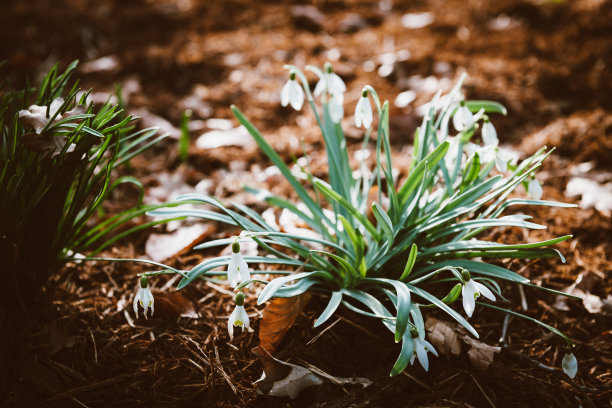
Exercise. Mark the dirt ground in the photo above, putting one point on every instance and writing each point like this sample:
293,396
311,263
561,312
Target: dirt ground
548,62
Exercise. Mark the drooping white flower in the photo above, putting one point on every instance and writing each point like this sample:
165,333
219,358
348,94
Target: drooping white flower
463,119
239,316
489,134
421,347
292,93
471,291
329,82
534,189
501,160
144,297
363,111
569,365
237,269
336,110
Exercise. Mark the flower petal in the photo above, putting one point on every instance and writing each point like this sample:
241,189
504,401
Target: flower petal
430,348
570,365
136,299
232,270
243,270
468,299
534,189
335,83
320,87
489,134
421,353
296,95
285,93
484,291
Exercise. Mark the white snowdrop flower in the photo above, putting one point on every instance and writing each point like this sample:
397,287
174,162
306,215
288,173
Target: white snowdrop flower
239,316
363,111
501,160
489,134
471,291
336,110
463,119
292,93
421,347
329,82
570,365
144,297
237,269
534,189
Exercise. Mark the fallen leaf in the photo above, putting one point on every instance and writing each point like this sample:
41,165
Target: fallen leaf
443,337
233,137
278,317
364,382
593,193
110,63
447,338
172,305
481,354
148,120
281,379
163,246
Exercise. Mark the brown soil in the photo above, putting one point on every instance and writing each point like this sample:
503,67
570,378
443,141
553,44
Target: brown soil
548,62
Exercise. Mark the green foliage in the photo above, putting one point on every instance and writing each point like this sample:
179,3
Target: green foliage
57,157
421,237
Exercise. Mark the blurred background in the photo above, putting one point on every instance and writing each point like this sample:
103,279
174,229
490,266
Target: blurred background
548,61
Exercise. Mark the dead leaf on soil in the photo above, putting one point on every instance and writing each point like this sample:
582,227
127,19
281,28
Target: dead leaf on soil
592,303
447,338
163,246
172,305
278,317
443,337
281,379
233,137
481,354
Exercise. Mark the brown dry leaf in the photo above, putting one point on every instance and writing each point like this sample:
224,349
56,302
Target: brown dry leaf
172,305
281,379
481,354
447,338
278,317
163,246
443,336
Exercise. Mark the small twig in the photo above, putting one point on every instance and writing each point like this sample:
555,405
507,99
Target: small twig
507,320
482,391
527,359
315,338
416,380
93,340
523,298
223,373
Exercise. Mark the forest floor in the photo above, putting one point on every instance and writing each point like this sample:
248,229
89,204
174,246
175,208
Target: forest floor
548,62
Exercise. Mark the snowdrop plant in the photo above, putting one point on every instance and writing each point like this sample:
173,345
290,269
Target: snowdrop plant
423,236
239,317
58,156
144,297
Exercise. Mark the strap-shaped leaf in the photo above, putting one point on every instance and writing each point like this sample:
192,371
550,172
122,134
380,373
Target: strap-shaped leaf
437,302
477,267
332,305
332,196
272,287
403,304
385,223
405,354
284,169
416,174
410,262
488,245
